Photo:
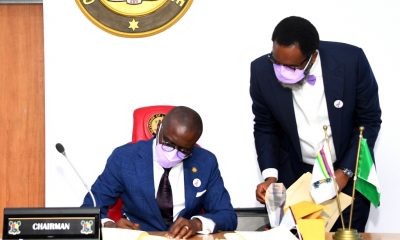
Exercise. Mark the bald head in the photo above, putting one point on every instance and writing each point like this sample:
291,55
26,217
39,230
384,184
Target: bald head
183,125
185,118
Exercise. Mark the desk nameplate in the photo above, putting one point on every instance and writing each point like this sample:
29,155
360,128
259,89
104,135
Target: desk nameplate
51,223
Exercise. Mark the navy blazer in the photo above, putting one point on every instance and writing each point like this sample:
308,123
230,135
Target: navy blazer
348,77
129,174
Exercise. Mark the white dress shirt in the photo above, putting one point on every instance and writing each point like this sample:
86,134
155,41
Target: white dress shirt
177,181
311,114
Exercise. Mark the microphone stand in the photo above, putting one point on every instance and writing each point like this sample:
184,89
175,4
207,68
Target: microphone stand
60,149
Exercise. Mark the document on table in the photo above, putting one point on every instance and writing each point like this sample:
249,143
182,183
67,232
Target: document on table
127,234
275,233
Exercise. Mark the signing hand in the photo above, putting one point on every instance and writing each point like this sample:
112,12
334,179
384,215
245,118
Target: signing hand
262,189
183,228
122,223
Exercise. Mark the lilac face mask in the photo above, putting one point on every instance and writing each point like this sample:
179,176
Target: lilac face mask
289,75
167,159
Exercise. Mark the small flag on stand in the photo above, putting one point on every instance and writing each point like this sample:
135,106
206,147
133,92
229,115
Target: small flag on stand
322,182
367,179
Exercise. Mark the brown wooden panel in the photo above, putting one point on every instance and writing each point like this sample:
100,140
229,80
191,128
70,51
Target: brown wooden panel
21,106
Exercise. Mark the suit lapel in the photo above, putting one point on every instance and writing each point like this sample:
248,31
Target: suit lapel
284,97
333,75
195,182
189,191
146,176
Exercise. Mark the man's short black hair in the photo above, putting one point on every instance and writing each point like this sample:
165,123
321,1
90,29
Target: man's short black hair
299,30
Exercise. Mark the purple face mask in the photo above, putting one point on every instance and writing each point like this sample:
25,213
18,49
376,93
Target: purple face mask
289,75
167,159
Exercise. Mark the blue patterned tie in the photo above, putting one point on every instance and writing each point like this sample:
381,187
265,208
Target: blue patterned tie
164,197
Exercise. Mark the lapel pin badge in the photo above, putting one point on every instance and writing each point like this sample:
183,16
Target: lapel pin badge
338,104
196,182
194,170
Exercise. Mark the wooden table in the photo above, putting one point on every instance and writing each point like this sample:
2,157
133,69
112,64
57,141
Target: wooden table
328,236
372,236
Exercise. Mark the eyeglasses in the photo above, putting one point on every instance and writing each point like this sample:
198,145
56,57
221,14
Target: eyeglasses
182,153
293,67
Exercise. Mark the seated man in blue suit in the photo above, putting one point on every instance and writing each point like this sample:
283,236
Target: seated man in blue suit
167,183
303,85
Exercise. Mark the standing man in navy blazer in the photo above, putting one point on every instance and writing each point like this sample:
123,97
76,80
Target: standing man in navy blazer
200,202
301,86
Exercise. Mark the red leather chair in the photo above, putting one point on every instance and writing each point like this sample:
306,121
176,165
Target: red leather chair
145,122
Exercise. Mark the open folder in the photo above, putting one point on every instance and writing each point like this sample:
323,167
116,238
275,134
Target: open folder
300,191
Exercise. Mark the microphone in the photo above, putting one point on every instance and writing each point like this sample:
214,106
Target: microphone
60,148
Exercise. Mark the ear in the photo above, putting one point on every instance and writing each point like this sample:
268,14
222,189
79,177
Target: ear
314,56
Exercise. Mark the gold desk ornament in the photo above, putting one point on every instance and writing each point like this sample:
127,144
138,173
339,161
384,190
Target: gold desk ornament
347,234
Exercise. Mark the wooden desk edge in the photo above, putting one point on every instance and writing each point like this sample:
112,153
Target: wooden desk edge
328,236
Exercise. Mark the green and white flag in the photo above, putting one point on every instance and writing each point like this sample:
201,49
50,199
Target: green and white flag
367,181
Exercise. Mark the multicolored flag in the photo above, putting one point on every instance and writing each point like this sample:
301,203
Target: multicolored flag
322,182
367,179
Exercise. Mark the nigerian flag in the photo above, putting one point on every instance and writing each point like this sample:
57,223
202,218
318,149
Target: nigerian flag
367,181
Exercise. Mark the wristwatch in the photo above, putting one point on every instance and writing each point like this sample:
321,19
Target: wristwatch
348,172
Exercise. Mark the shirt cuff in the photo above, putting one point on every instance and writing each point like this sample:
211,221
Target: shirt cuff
104,220
270,172
207,224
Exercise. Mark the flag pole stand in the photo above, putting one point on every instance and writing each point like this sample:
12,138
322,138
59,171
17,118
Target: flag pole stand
347,234
350,233
334,179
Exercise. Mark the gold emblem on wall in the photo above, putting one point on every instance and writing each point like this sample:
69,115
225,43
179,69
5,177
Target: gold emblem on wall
134,18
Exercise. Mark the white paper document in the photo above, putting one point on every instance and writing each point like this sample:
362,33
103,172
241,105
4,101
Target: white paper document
277,233
127,234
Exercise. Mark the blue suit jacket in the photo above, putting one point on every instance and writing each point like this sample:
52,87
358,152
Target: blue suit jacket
129,174
347,77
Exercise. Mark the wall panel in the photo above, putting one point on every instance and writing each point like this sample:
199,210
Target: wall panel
21,106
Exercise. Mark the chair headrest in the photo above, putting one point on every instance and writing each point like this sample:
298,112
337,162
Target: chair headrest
146,119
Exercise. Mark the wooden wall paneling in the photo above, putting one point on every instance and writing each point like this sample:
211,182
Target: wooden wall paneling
21,107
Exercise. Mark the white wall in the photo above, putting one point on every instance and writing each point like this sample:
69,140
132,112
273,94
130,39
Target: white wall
94,80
